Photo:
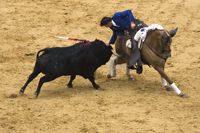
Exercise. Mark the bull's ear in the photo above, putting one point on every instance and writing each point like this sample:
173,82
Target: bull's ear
173,32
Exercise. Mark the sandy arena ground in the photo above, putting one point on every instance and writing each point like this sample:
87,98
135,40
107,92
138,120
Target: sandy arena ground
121,106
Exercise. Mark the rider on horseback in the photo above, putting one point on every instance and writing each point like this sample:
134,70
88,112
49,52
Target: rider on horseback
121,22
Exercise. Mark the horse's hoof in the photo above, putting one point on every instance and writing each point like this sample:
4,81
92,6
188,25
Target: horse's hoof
109,76
130,77
169,88
182,94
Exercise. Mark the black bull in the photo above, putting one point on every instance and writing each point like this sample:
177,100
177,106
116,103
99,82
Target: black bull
79,59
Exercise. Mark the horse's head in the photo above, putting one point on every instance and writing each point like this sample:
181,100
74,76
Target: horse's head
166,40
161,41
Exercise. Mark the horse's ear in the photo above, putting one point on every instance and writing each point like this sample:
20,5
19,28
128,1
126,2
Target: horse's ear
173,32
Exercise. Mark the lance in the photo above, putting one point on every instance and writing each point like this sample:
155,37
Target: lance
68,38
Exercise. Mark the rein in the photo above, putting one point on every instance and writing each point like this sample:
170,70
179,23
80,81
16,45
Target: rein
164,41
156,51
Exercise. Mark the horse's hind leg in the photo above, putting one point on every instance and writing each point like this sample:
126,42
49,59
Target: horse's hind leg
164,75
112,68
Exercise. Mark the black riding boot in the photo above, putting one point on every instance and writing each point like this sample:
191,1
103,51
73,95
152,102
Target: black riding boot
139,68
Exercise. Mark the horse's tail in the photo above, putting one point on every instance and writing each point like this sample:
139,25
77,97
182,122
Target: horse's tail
111,64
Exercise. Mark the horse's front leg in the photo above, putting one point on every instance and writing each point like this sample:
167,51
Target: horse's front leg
172,84
164,84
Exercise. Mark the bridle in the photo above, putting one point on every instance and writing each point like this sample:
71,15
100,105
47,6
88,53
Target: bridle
161,53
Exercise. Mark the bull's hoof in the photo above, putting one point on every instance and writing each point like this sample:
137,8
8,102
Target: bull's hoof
36,95
70,85
97,87
169,88
182,94
21,92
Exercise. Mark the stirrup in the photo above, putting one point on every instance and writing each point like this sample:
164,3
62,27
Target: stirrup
140,44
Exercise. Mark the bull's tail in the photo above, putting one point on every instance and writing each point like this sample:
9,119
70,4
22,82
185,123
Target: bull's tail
42,50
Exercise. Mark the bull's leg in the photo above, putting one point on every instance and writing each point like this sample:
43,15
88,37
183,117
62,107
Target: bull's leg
44,79
31,77
128,72
70,82
93,83
164,75
112,68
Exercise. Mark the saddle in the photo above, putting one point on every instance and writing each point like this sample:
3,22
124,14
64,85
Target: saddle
137,38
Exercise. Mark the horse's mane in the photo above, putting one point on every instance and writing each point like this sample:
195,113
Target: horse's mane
164,35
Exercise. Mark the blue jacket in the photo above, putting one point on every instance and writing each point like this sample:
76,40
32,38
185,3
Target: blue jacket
123,21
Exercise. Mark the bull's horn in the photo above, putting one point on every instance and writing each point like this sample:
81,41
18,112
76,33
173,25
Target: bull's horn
116,54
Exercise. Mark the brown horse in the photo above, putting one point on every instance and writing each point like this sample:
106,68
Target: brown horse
155,51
